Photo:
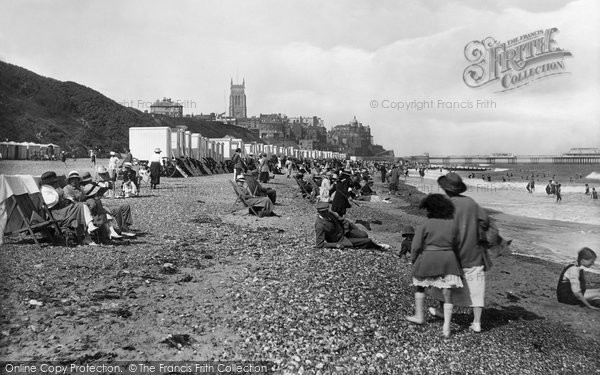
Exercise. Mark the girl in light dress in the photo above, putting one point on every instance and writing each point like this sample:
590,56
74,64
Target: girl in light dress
434,261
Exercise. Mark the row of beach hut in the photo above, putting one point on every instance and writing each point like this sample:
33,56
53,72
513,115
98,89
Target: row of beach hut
28,151
180,142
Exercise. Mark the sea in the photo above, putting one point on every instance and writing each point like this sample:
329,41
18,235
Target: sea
555,230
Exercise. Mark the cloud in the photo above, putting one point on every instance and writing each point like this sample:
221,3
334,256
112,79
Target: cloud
297,59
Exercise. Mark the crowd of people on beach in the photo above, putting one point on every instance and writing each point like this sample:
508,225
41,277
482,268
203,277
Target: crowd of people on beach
78,201
449,251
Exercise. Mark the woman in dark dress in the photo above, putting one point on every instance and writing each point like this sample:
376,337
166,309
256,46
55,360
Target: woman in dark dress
340,200
155,168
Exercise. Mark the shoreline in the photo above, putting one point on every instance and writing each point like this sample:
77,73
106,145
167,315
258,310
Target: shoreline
248,288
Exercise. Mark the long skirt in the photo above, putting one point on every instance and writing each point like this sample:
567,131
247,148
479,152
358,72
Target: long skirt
155,173
70,216
473,291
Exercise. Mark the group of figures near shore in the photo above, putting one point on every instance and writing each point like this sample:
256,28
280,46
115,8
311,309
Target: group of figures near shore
450,251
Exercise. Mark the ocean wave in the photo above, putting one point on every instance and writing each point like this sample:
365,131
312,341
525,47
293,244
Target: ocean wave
593,176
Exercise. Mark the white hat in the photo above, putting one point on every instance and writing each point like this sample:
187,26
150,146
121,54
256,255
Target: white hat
112,153
49,195
73,174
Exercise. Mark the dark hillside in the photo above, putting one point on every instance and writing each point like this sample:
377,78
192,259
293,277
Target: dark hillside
38,109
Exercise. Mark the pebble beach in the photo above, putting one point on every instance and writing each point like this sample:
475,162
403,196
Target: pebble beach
243,288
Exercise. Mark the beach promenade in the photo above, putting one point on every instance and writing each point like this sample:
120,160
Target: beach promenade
244,288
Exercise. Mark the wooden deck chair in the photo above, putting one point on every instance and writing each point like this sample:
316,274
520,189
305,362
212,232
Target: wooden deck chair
241,197
316,188
29,213
311,196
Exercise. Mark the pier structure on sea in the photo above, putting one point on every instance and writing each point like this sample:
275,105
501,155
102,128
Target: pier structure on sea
574,156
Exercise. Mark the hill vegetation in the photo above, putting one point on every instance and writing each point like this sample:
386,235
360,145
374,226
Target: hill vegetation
38,109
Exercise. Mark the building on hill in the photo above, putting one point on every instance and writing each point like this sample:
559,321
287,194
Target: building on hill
353,138
237,100
167,107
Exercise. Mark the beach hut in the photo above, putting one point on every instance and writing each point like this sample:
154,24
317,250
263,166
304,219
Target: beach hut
188,142
3,150
21,153
143,141
195,145
33,151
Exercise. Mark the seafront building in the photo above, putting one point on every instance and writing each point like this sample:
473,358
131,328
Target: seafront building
167,107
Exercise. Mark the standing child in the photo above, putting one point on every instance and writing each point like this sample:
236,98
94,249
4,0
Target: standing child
434,261
571,288
405,246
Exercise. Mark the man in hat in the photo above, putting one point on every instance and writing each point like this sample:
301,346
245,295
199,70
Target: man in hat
128,157
332,231
238,163
69,214
264,169
472,221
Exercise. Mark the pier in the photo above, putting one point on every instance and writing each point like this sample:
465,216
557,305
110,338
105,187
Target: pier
574,156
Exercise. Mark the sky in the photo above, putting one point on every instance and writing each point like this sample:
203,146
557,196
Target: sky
333,59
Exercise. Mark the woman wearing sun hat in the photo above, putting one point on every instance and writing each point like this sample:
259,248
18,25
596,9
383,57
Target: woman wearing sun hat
471,220
69,214
72,190
113,164
155,161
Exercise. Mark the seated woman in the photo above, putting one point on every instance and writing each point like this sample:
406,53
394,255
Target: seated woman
72,190
69,214
103,180
257,189
130,181
572,288
120,215
102,219
262,205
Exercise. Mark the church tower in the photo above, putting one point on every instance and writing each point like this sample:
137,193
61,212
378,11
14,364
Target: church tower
237,100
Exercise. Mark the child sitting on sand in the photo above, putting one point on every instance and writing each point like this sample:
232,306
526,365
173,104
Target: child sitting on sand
408,234
571,287
434,261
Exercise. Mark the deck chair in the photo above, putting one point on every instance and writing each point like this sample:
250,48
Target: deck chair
316,188
241,197
311,196
23,209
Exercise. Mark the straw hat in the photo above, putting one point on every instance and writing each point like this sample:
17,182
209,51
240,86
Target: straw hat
157,150
112,153
90,190
73,174
453,183
127,164
101,169
86,177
